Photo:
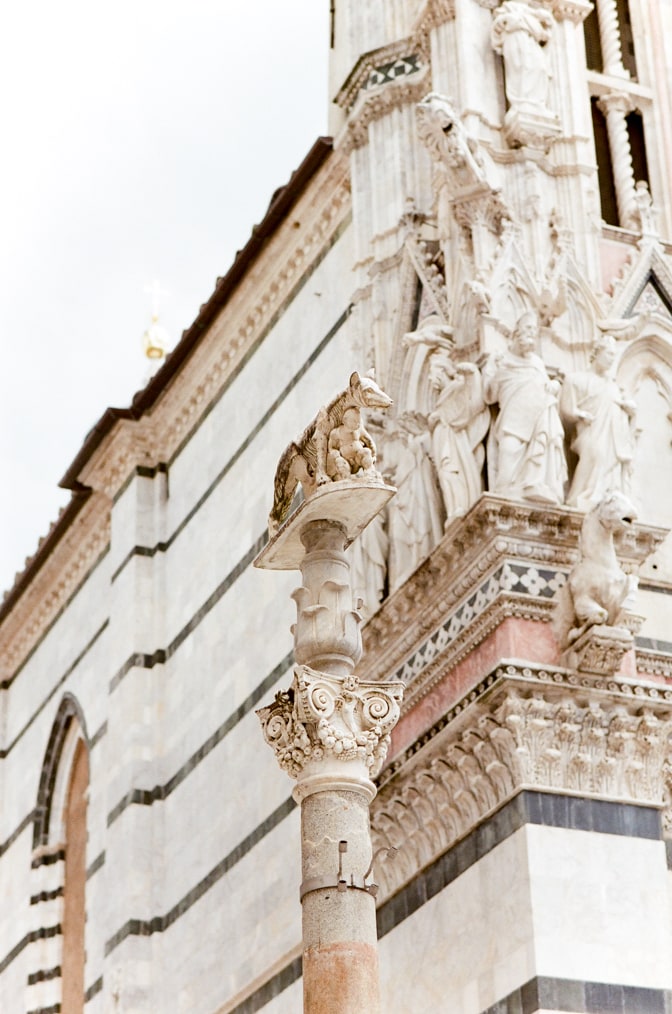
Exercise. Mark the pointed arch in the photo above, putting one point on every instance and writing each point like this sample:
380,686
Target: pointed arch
69,711
58,876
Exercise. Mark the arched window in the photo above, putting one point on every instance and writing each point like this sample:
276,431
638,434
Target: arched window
56,981
74,901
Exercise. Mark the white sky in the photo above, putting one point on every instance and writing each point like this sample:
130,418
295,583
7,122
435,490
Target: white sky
141,139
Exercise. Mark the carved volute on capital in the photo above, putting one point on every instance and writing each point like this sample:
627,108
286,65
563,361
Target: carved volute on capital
330,727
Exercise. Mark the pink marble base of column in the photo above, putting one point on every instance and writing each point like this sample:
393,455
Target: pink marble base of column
341,978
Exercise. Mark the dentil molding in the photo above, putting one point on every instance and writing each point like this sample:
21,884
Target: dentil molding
57,581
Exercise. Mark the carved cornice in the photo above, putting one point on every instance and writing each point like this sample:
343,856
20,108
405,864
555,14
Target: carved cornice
432,14
654,663
155,437
251,308
368,108
520,729
376,68
536,545
323,718
55,584
129,445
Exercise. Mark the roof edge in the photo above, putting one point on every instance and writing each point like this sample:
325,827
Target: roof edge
45,548
281,203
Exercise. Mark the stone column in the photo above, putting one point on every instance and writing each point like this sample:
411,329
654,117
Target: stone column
610,38
330,731
616,106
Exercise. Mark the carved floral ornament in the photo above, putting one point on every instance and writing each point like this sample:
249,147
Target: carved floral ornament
324,717
614,750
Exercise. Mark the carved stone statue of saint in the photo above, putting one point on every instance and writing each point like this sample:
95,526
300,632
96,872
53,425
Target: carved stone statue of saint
459,424
601,423
368,566
519,31
526,457
415,514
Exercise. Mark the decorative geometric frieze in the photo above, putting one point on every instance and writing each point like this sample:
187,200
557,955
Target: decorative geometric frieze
400,67
506,736
511,577
383,66
329,718
499,548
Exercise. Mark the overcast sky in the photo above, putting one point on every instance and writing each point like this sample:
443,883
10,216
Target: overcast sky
142,139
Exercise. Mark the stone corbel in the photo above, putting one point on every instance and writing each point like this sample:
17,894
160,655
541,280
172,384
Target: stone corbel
600,650
570,10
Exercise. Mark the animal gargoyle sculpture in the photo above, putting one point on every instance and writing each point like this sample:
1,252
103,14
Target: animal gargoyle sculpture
598,590
334,447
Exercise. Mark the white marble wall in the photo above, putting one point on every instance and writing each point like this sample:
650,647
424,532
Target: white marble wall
549,902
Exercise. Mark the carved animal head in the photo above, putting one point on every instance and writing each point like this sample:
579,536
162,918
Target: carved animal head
366,393
615,512
441,110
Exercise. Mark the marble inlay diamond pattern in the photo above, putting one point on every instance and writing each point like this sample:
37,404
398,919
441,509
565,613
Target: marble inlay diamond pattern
391,71
510,577
651,301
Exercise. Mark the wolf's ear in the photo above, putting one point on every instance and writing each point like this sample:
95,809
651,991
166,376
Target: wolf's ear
355,380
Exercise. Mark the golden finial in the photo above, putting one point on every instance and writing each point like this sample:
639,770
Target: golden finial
155,339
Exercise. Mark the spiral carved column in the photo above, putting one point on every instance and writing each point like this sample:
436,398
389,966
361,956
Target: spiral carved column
616,106
610,38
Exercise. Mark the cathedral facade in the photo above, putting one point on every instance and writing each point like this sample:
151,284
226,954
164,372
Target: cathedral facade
489,230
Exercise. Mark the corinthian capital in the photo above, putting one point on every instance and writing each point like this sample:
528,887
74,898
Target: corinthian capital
323,719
